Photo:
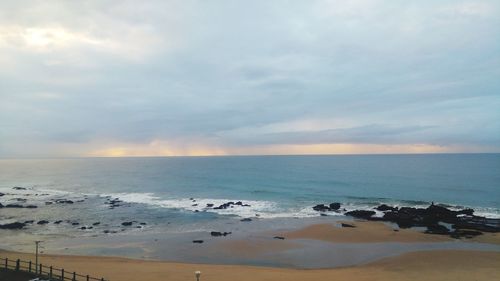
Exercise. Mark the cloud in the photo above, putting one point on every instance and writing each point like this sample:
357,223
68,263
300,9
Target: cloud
183,77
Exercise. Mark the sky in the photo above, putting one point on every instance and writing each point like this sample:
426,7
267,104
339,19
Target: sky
173,78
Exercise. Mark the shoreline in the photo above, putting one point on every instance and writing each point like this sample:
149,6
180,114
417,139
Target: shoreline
421,265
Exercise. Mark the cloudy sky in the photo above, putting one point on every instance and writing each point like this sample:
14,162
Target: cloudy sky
130,78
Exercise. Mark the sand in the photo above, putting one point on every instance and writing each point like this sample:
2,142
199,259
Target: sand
424,265
431,265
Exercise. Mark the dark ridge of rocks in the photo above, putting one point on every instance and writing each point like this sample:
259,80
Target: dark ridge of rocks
127,223
218,233
42,222
113,203
31,207
29,221
279,237
361,214
19,188
198,241
347,225
385,207
96,223
58,222
14,225
246,219
13,206
325,208
229,205
64,201
464,224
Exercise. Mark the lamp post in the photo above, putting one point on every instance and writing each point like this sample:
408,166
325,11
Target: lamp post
197,274
36,255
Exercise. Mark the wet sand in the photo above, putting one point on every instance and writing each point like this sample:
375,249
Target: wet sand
427,265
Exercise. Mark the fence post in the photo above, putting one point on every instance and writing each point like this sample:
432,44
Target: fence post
40,271
29,269
50,272
74,276
6,263
62,274
88,278
102,279
17,264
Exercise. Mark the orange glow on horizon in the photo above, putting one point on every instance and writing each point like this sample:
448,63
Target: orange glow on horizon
159,148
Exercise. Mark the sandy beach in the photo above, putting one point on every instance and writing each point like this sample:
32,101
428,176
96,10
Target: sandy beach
429,265
418,265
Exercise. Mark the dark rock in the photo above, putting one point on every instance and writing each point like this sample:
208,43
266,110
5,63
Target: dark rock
57,222
218,234
465,233
2,194
334,206
347,225
127,223
21,199
19,188
64,201
13,206
143,223
210,205
321,208
194,205
1,206
279,237
361,214
42,222
437,229
14,225
246,219
198,241
96,223
31,207
48,203
323,215
385,207
75,223
29,221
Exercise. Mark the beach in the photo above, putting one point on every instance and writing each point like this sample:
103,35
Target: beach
417,265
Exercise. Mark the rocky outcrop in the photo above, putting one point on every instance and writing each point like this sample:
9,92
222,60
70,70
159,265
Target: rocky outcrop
361,214
14,225
325,208
219,234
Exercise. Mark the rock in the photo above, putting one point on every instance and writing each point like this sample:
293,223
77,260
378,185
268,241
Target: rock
143,223
31,207
75,223
96,223
2,194
218,234
13,206
42,222
334,206
57,222
385,207
29,221
14,225
48,203
347,225
323,215
198,241
19,188
279,237
246,219
210,205
465,233
361,214
1,206
127,223
21,199
321,208
64,201
437,229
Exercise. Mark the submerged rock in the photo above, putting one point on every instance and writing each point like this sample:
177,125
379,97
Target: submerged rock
14,225
218,234
127,223
347,225
246,219
198,241
279,237
42,222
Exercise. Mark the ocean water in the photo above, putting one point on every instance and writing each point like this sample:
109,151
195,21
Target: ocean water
175,191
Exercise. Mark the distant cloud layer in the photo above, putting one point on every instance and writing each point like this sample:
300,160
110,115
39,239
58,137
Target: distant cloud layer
118,78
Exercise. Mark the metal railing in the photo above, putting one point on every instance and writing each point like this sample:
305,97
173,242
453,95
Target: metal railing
49,272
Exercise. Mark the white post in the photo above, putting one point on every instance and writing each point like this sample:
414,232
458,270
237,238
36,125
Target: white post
36,255
197,274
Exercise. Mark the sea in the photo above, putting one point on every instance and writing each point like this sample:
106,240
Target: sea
178,194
